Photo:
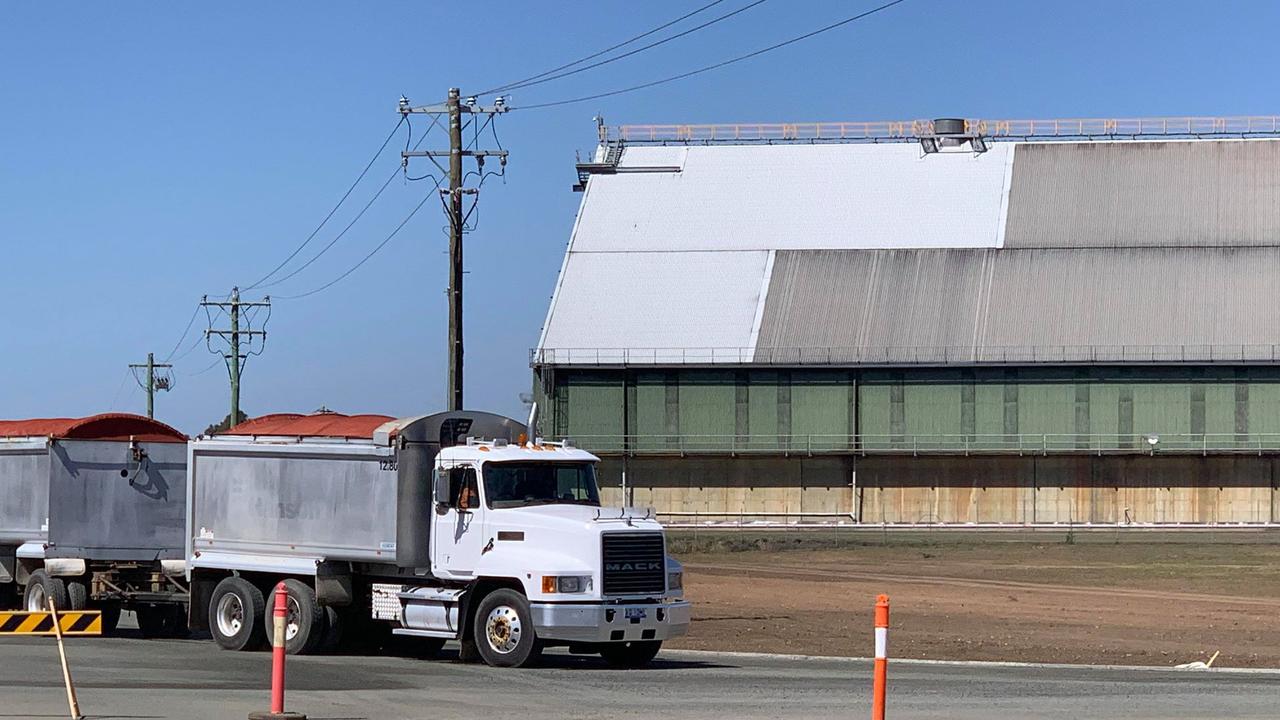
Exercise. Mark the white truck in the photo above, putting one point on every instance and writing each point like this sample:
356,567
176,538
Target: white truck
420,526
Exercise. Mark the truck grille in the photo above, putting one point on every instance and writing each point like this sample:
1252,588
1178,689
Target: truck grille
634,563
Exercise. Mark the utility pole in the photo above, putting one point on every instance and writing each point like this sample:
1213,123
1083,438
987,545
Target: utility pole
234,308
151,384
453,109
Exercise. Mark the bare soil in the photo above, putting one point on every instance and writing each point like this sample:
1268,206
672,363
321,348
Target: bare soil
1129,603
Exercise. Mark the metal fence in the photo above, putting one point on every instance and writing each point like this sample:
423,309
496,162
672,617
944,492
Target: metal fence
843,356
959,444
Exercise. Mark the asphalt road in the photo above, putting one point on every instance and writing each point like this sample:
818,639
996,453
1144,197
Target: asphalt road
136,679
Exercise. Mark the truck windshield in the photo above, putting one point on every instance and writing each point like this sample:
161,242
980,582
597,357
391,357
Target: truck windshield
516,484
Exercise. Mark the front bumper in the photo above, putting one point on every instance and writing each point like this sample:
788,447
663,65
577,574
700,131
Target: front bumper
596,623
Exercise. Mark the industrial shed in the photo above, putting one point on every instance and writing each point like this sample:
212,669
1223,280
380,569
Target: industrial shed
1012,324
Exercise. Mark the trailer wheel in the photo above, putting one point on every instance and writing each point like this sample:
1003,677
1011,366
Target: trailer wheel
77,594
504,629
162,620
234,611
110,617
630,654
41,588
331,638
304,619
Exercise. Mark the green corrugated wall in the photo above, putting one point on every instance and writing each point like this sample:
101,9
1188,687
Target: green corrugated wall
669,408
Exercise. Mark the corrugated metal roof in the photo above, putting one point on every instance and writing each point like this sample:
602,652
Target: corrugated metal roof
976,304
104,426
328,424
1191,192
772,197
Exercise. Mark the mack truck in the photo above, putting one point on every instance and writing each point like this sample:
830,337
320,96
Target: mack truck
91,516
459,526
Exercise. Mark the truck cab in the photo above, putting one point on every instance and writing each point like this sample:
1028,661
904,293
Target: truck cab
519,529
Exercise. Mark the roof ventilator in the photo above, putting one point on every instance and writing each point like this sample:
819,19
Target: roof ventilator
950,134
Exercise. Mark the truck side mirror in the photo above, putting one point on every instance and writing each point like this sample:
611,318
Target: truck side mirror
441,490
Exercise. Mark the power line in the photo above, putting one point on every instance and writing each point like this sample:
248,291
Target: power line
355,219
186,330
595,55
638,50
341,200
708,68
366,258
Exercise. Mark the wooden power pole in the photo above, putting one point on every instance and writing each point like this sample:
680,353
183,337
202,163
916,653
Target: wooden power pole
453,109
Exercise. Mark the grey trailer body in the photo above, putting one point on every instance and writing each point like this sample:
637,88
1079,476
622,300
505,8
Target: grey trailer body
24,491
116,501
91,515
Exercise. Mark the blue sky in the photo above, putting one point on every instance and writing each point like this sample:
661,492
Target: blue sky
154,152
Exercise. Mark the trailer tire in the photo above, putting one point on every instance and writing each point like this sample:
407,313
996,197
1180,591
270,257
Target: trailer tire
77,594
41,587
503,629
162,620
630,654
304,629
235,612
110,617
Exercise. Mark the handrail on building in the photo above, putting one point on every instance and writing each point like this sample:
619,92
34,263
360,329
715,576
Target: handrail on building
924,444
912,130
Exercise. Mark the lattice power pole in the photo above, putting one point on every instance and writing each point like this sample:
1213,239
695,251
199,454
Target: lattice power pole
453,109
152,383
235,309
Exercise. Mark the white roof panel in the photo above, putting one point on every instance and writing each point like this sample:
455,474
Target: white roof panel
652,300
781,197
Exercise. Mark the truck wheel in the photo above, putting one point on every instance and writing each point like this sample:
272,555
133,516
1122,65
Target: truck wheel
504,629
41,588
110,617
234,611
630,654
162,620
331,639
304,620
77,594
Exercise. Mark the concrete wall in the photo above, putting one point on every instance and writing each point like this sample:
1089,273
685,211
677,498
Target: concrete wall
1107,489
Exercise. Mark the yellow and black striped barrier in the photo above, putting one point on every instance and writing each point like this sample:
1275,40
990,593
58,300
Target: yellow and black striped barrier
71,622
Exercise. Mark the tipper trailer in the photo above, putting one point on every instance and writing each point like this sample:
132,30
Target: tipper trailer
420,527
92,515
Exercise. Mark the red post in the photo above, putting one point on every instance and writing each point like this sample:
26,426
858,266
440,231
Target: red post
278,615
279,619
882,658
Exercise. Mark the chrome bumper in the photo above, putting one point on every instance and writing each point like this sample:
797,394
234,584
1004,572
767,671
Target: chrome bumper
610,623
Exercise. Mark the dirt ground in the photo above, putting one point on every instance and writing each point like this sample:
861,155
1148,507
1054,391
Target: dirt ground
1139,603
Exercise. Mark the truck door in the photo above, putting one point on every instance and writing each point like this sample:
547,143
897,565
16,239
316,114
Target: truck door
458,530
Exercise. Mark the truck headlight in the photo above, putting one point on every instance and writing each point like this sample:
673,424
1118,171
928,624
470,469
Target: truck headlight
675,580
566,583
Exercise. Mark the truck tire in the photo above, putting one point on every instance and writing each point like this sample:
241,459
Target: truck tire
162,620
110,617
304,621
503,629
77,594
235,610
331,638
630,654
41,587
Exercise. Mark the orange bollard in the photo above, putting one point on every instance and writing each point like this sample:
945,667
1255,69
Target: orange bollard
279,617
882,658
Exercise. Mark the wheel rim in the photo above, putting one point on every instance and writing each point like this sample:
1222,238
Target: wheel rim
291,624
502,629
36,601
230,615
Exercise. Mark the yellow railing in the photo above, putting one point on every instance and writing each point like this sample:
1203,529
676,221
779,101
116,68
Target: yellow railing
912,129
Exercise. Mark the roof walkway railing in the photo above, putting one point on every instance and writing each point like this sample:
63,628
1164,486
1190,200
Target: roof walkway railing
943,444
989,355
912,130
